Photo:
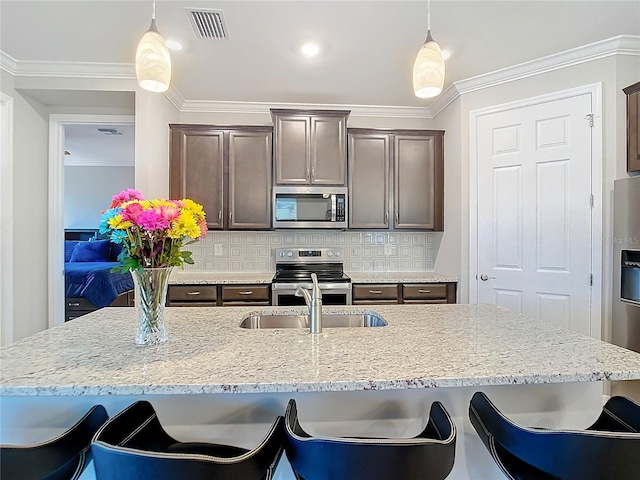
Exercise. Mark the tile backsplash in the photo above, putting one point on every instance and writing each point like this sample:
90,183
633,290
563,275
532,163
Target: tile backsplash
363,251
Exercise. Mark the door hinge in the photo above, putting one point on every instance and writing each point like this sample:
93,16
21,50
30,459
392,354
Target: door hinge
591,279
589,117
591,200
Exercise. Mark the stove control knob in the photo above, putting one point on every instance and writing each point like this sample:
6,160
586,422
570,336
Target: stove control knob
289,254
329,254
337,253
282,254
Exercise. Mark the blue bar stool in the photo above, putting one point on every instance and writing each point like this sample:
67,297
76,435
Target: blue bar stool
133,445
608,449
61,458
429,455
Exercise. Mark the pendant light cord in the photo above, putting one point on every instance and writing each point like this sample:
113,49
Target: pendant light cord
428,14
153,14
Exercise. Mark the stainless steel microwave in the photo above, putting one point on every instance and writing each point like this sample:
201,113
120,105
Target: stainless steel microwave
309,207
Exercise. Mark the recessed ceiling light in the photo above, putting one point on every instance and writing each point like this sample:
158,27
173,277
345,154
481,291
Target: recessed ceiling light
445,54
310,49
173,44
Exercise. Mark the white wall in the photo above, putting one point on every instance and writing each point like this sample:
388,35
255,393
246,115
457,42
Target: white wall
448,261
30,206
154,113
605,71
88,191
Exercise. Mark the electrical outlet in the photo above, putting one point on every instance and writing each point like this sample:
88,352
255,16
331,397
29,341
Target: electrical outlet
217,249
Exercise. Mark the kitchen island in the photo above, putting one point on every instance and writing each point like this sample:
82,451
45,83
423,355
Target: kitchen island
213,380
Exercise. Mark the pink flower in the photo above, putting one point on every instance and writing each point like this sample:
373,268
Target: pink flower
203,229
131,212
152,220
125,196
169,213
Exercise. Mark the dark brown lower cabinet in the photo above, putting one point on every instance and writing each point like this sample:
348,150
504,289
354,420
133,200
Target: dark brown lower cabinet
218,295
407,293
75,307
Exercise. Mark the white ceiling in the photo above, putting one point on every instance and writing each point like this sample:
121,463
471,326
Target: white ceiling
89,147
368,46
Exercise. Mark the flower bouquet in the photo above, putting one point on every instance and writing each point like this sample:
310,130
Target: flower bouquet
152,234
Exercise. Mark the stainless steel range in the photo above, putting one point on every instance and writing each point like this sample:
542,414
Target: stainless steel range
294,267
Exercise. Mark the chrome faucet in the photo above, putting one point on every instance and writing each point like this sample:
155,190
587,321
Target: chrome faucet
314,303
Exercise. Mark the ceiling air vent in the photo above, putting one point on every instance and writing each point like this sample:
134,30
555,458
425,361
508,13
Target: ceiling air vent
208,23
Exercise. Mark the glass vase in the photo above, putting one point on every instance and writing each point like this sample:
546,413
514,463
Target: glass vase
151,294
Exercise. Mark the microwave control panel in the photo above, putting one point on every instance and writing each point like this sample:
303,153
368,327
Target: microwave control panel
340,201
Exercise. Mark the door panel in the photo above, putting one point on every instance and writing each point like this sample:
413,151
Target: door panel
415,172
328,150
198,174
249,180
369,155
534,212
292,149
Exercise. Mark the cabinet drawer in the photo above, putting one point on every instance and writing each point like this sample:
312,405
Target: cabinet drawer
191,304
375,292
425,301
245,293
425,291
74,304
192,293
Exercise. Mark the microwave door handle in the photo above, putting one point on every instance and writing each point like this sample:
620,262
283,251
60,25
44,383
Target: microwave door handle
333,207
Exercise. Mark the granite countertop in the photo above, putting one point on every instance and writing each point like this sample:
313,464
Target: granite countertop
185,277
423,346
399,277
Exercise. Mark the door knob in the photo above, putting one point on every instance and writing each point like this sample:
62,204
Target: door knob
484,277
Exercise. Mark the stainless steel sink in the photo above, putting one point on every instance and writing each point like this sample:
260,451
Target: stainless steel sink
329,320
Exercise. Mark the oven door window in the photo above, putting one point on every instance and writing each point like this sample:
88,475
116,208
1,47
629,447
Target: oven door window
303,208
288,300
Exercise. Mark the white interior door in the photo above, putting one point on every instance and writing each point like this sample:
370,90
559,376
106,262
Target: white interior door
534,210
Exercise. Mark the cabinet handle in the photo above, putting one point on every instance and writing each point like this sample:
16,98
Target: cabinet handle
230,216
424,291
386,218
377,292
313,173
220,216
397,218
74,304
248,292
193,293
307,174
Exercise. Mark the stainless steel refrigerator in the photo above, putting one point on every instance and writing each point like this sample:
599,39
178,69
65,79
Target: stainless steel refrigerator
625,322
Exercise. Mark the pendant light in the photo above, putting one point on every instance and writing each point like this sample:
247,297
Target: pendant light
428,69
153,62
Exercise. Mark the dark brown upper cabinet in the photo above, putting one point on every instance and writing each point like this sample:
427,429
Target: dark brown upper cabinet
225,169
310,147
633,127
396,179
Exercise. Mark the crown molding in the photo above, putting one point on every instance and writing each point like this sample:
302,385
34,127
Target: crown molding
443,100
8,63
265,107
66,69
620,45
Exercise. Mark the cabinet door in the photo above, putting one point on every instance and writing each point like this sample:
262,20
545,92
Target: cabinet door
328,150
196,170
249,180
292,149
633,127
419,180
369,155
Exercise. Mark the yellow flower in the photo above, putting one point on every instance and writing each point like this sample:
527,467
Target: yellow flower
116,223
184,226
